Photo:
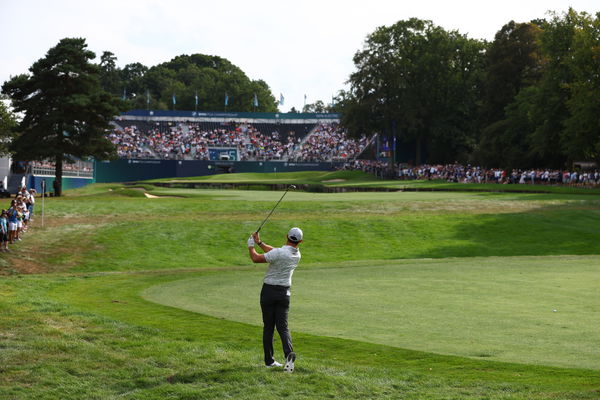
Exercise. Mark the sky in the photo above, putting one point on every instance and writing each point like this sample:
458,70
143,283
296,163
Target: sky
299,48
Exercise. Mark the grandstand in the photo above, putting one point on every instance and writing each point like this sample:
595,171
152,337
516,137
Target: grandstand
242,136
156,144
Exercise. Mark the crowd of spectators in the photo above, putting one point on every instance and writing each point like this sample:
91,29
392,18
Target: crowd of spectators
192,141
329,142
266,146
474,174
130,143
15,220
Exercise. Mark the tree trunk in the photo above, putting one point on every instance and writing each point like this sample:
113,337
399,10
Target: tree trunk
58,173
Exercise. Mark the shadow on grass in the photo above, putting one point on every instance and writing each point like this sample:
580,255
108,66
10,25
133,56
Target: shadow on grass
548,230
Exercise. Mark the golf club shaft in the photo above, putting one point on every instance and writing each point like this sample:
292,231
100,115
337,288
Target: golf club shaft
284,193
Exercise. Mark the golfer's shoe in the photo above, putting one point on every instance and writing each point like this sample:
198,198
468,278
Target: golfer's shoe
274,364
289,362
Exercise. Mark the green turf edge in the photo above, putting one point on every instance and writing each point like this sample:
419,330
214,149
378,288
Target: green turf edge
118,296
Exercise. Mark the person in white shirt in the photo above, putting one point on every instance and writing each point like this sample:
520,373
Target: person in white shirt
275,293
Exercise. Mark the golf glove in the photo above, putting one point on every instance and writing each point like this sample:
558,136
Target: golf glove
250,242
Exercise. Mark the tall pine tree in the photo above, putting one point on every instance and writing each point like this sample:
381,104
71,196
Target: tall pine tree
66,111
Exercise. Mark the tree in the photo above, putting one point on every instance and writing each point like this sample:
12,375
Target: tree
110,75
542,105
505,143
208,77
8,123
420,83
133,75
514,62
581,135
66,111
316,107
548,108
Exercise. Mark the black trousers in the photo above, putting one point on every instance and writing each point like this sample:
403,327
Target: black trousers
275,305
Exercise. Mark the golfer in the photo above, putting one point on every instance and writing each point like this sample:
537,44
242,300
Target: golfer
275,293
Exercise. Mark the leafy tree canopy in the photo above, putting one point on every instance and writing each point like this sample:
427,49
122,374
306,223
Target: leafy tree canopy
541,107
418,82
8,123
188,82
316,107
66,112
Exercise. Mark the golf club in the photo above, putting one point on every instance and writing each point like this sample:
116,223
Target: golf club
284,193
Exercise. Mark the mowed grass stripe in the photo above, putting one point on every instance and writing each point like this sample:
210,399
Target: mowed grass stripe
540,310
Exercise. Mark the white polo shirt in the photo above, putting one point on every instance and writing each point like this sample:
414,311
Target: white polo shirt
282,262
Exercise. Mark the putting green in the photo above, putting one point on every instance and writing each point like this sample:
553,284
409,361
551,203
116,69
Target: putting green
531,310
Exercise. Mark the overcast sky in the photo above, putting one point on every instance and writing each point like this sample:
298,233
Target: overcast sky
298,48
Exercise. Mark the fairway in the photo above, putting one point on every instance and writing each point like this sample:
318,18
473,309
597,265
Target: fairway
412,295
526,310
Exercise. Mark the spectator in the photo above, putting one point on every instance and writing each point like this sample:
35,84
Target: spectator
4,231
13,220
32,193
474,174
